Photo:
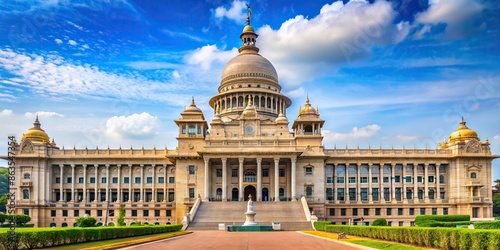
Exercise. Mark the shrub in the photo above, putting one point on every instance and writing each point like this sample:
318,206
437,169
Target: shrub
86,221
430,220
379,222
487,225
111,224
320,225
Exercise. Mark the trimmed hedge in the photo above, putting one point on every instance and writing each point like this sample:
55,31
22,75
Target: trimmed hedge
443,238
320,225
427,220
446,224
487,225
55,237
379,222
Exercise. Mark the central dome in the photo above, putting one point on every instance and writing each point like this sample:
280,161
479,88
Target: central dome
249,65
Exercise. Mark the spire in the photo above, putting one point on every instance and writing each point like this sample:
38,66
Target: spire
307,99
192,101
249,101
249,13
37,123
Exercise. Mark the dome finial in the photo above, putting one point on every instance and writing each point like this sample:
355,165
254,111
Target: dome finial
463,121
192,101
37,122
307,99
249,13
250,100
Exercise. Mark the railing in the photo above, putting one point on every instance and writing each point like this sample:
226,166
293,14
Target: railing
250,179
26,184
306,208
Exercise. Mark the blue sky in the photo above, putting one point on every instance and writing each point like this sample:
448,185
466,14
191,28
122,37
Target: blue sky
116,73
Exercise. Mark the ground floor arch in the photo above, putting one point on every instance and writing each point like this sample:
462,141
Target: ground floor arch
250,190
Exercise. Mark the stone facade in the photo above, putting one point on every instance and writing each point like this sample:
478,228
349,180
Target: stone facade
249,149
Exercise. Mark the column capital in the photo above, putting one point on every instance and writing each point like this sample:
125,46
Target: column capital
118,165
72,165
206,159
240,160
96,165
259,160
84,165
224,160
276,159
293,159
130,165
107,165
153,165
142,165
61,165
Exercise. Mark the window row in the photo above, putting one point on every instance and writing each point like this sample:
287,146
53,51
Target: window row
386,169
136,196
111,213
378,211
397,179
352,194
265,173
115,180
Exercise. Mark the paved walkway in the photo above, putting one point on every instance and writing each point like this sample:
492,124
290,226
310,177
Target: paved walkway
244,240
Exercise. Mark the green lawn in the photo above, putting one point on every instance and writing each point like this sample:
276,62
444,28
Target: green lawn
384,245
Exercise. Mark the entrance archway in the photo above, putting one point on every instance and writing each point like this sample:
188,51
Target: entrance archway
265,194
250,190
235,194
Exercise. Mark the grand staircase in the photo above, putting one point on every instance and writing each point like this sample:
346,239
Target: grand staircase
290,214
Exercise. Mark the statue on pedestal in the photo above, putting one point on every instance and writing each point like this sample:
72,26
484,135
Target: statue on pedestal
250,214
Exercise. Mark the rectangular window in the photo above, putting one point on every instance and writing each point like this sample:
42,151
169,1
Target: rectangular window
137,196
398,194
400,211
76,213
419,179
434,211
234,172
409,194
375,194
159,197
191,193
171,179
364,194
445,210
397,178
87,212
145,213
400,223
340,194
388,211
149,179
329,180
354,212
58,180
282,172
412,211
52,213
352,179
389,223
183,129
431,179
309,170
332,211
387,195
342,212
111,212
374,179
309,191
191,169
115,180
125,197
161,179
103,180
68,180
168,213
352,194
219,172
329,194
408,178
65,213
126,179
80,180
137,179
386,179
157,213
377,211
99,212
366,211
265,172
340,179
92,179
412,223
364,179
134,213
422,211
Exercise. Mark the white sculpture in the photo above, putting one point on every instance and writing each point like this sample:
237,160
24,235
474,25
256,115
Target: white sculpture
250,214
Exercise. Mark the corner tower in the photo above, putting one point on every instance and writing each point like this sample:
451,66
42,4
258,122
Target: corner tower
249,75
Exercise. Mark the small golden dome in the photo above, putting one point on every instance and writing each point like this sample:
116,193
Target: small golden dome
250,109
281,118
248,28
308,109
463,133
36,134
192,107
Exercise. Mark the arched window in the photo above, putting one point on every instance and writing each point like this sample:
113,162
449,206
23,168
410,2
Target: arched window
398,168
364,169
409,168
269,102
431,168
27,176
191,130
387,169
265,194
66,224
262,102
308,129
250,176
256,101
274,103
441,179
420,194
240,101
431,194
233,102
375,169
52,224
442,168
223,105
219,191
26,194
473,175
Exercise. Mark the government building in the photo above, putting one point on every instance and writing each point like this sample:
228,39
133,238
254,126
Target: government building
250,147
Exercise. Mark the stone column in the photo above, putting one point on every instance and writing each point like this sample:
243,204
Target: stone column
426,182
346,183
207,179
141,195
85,183
370,195
61,168
153,199
259,179
358,182
96,172
240,179
165,194
403,179
415,183
224,179
438,184
393,182
381,183
107,183
118,189
276,179
130,193
294,178
73,182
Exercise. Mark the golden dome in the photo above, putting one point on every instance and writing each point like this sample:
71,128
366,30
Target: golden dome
250,109
248,28
463,133
36,134
308,109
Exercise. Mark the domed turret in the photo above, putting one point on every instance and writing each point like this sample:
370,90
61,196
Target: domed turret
36,133
192,108
281,118
462,133
308,109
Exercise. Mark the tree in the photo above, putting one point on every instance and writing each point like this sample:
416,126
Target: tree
86,221
120,221
4,188
496,205
379,222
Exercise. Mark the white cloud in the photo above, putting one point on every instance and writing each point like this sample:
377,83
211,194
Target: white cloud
44,114
135,126
462,17
207,55
58,41
496,137
356,133
175,74
85,46
235,13
75,25
408,138
6,112
295,93
304,48
72,42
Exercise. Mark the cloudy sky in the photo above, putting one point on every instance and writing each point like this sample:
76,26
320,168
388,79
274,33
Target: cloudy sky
117,72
